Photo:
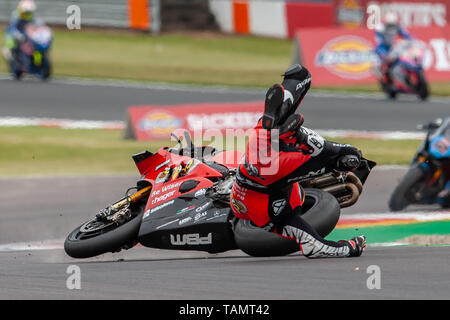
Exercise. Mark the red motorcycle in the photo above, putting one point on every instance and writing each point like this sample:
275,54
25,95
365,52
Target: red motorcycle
182,202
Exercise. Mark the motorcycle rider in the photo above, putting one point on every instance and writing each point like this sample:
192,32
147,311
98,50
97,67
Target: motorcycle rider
15,32
385,34
273,201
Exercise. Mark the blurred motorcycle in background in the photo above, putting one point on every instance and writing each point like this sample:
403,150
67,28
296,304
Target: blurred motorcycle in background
33,53
407,75
427,181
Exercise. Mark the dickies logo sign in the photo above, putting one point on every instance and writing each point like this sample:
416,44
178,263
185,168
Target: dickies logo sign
159,123
350,57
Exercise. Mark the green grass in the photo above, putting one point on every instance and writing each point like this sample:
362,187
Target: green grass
385,152
194,58
392,233
36,151
173,58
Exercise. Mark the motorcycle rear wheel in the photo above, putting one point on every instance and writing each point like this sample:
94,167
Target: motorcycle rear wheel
388,90
423,91
321,211
45,72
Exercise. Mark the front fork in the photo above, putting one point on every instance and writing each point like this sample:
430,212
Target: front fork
116,211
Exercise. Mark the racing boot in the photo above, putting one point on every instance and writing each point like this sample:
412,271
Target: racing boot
274,100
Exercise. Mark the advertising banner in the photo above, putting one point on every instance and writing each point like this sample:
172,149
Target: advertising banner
337,56
411,13
308,15
151,122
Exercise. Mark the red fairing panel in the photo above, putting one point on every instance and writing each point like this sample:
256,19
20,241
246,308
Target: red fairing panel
229,159
164,172
164,192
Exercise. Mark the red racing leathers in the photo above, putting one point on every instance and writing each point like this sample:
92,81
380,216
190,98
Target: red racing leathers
266,190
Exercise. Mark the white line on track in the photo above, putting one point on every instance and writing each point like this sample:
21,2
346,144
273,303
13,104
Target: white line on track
420,216
120,125
32,246
416,215
114,83
61,123
217,88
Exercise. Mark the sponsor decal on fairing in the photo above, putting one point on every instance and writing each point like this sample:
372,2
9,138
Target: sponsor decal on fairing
185,220
203,207
185,209
193,239
149,211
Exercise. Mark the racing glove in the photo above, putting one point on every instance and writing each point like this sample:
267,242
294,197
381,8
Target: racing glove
348,156
356,245
348,162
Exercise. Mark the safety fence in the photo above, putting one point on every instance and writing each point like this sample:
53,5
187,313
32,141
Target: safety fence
137,14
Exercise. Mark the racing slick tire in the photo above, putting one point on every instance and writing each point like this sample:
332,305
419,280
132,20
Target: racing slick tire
111,241
321,211
423,90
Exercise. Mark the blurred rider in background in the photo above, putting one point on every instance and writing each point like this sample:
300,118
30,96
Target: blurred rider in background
15,33
385,33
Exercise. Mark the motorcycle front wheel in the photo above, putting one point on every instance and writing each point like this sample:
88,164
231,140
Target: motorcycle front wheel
402,196
96,237
15,70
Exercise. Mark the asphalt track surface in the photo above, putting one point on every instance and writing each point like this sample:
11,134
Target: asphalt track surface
47,208
94,100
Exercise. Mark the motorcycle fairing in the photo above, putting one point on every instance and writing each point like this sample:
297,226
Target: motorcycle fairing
151,165
439,141
40,36
440,147
230,159
178,202
188,223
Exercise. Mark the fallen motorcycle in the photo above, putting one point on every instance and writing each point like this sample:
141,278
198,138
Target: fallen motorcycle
182,202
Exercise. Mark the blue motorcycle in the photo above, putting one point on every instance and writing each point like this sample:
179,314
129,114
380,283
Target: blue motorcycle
33,53
429,174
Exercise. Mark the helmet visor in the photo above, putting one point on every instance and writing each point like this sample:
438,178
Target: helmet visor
27,16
